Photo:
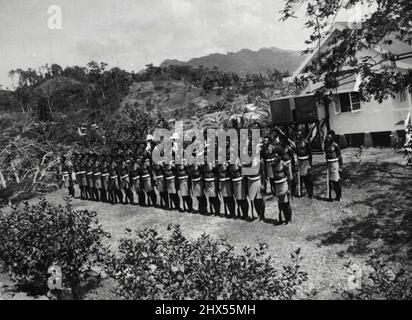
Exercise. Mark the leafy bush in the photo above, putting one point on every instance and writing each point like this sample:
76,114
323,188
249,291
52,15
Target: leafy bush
151,267
35,237
383,280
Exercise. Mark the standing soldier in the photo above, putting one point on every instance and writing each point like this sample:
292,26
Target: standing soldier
83,177
334,165
66,169
134,172
104,169
282,176
116,193
89,177
198,187
304,153
141,194
239,190
97,181
80,176
170,178
287,156
161,185
226,190
268,152
147,181
184,186
209,176
255,175
125,183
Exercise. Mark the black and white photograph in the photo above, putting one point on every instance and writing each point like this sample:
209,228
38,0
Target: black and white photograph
207,156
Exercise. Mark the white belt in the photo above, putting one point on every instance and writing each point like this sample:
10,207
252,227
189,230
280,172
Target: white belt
89,173
170,178
125,176
196,179
181,178
97,174
254,178
105,174
65,173
113,177
333,160
81,172
135,178
289,161
146,176
303,158
270,160
159,177
237,179
209,179
280,181
224,179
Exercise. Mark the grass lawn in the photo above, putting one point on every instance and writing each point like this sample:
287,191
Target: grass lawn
375,213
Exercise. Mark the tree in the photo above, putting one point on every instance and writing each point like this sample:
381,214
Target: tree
390,22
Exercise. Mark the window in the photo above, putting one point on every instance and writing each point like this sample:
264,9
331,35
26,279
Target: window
349,102
355,101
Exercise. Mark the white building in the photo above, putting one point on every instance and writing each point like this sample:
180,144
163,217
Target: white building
362,123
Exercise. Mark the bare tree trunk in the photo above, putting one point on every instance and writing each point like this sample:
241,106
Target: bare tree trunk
49,103
16,174
35,175
103,96
2,180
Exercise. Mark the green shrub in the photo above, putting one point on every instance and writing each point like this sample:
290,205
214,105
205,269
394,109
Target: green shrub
35,237
151,267
382,279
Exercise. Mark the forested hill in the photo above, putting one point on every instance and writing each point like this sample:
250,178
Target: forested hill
247,61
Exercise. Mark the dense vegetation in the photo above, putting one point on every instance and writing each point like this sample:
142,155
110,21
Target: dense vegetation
34,238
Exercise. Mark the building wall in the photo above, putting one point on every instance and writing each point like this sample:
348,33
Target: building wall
373,117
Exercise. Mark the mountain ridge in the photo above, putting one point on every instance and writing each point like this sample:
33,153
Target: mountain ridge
246,61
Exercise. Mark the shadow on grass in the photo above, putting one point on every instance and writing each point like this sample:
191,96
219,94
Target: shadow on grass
384,203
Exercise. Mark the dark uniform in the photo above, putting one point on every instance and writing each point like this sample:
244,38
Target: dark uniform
97,181
82,180
198,187
287,156
282,175
66,171
146,176
226,190
114,185
104,170
239,190
126,184
183,183
89,179
267,155
334,165
304,154
254,186
171,185
161,187
211,188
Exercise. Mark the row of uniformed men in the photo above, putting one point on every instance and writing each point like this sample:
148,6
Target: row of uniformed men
118,179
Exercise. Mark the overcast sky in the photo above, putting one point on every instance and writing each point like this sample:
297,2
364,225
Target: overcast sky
133,33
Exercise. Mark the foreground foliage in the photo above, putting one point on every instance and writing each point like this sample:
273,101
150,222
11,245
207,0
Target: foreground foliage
35,237
383,280
151,267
